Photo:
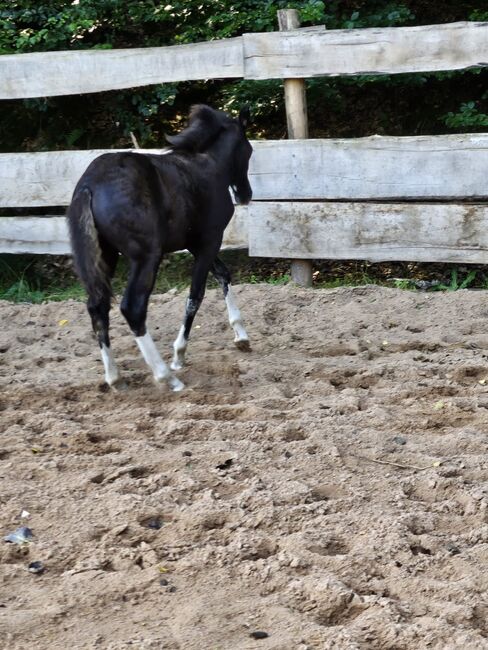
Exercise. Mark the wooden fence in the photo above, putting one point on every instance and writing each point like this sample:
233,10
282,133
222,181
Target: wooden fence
307,52
377,198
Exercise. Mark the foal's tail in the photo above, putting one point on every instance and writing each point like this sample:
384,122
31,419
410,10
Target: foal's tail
85,244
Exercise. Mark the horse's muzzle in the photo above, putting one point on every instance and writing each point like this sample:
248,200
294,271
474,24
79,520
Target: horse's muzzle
242,196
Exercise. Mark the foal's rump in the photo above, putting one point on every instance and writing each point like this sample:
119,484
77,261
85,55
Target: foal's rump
126,203
140,202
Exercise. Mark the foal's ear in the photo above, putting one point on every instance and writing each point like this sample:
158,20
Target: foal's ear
204,125
244,117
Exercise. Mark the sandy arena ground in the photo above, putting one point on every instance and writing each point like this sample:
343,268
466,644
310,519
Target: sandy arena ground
330,488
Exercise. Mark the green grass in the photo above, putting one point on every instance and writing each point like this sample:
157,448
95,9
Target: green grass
455,284
349,280
36,279
23,291
276,280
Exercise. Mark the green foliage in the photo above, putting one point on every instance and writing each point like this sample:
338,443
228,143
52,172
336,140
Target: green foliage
480,15
377,15
28,25
467,117
454,284
22,291
72,137
265,98
276,280
16,284
338,107
405,284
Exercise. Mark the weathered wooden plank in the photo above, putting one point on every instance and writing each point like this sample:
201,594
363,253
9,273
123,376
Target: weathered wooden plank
235,235
49,235
428,232
43,178
40,235
46,74
423,167
391,50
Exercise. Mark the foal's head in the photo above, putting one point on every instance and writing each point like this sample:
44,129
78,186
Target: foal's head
225,138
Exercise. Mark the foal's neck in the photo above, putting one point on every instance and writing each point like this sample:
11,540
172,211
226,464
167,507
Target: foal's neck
221,152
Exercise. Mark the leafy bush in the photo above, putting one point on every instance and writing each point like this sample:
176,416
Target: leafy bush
28,25
341,107
467,117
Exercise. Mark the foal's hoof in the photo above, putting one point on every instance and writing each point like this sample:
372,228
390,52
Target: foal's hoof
119,386
176,365
243,345
175,384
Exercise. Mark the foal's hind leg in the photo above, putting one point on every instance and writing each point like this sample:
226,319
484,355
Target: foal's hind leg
99,308
197,292
222,275
134,308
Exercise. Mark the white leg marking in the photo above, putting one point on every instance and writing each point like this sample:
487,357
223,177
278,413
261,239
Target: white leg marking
153,359
112,374
235,319
179,347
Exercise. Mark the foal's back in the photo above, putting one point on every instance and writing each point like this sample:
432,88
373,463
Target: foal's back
142,201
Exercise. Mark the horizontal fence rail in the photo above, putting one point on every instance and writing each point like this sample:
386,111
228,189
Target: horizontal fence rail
89,71
419,167
377,167
391,50
306,52
49,235
424,232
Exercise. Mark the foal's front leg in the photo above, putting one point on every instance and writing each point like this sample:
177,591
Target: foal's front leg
222,275
197,292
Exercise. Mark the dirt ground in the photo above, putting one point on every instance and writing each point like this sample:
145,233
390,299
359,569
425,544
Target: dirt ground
330,488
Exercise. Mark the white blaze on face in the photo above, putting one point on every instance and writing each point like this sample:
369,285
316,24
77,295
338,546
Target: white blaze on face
235,318
153,359
179,347
111,371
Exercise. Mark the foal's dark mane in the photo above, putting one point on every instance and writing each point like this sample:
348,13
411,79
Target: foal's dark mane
204,127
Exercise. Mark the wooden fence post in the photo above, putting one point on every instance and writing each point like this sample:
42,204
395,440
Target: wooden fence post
297,123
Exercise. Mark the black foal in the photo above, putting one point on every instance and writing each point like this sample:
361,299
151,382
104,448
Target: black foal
144,205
